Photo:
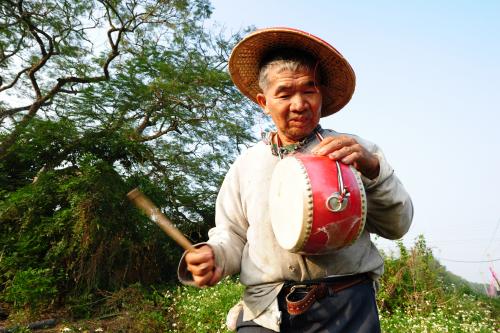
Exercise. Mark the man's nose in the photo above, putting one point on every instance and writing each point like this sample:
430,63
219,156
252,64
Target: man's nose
298,103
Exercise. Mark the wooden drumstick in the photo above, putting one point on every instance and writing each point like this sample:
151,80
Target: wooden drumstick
154,213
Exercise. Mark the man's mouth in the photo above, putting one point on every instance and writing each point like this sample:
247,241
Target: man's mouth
299,120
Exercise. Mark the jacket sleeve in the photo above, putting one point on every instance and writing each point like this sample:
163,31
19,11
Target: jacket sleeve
390,209
228,238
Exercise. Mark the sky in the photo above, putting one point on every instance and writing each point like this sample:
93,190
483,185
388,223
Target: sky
427,92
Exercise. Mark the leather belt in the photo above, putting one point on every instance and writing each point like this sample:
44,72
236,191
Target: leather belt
300,297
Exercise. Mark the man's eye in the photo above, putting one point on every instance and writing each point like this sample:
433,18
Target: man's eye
283,96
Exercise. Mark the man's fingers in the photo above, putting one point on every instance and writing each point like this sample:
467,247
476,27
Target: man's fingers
349,151
201,263
202,281
211,278
202,273
327,145
352,159
216,276
324,142
343,153
198,256
201,269
361,160
331,144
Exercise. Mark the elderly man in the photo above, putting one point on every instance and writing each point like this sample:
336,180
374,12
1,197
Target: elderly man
297,78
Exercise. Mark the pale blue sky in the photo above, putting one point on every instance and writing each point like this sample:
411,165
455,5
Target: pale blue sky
427,92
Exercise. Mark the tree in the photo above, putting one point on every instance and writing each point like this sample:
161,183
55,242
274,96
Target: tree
51,47
155,108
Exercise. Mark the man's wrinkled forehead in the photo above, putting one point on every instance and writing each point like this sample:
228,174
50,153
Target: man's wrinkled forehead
285,86
284,80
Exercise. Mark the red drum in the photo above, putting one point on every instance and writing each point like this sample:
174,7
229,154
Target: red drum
317,205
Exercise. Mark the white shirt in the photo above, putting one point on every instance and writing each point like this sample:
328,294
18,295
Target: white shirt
243,240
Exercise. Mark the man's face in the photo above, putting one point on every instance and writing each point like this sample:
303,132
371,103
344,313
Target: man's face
293,100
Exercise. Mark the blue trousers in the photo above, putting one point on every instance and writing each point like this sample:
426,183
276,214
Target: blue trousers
352,310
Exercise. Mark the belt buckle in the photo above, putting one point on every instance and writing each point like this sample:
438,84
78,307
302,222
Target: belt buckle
297,292
298,286
302,296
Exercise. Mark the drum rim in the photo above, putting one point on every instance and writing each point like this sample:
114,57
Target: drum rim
362,194
306,227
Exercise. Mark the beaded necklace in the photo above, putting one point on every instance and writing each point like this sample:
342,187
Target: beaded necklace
279,150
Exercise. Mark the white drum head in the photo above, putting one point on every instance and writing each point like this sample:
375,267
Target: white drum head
291,204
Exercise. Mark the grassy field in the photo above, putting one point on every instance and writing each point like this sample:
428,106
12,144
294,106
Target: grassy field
416,295
185,309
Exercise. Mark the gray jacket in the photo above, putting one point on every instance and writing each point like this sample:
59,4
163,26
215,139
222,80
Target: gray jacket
243,240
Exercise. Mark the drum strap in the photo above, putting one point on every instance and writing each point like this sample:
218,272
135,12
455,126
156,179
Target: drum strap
342,189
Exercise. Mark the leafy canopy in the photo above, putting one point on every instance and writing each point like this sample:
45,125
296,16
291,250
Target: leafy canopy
98,97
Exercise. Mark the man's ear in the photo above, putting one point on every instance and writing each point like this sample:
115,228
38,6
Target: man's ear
261,99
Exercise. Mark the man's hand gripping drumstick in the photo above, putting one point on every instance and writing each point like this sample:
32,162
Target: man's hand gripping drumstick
200,261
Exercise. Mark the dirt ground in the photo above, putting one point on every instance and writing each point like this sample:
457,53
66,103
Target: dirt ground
113,323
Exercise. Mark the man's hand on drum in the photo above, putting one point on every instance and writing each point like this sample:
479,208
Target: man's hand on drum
348,151
201,264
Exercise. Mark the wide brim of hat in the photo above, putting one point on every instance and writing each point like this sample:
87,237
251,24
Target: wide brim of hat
337,76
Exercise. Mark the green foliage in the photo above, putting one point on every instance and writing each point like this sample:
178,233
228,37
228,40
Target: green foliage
158,112
77,224
63,34
417,294
30,287
415,277
456,319
187,309
180,101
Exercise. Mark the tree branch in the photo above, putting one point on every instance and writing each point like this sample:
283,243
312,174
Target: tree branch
9,112
25,17
174,126
17,48
69,91
144,123
15,80
47,48
45,54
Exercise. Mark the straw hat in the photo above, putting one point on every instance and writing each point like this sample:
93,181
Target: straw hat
337,75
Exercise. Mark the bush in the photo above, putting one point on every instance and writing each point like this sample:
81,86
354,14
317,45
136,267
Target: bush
76,233
417,295
414,277
33,287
